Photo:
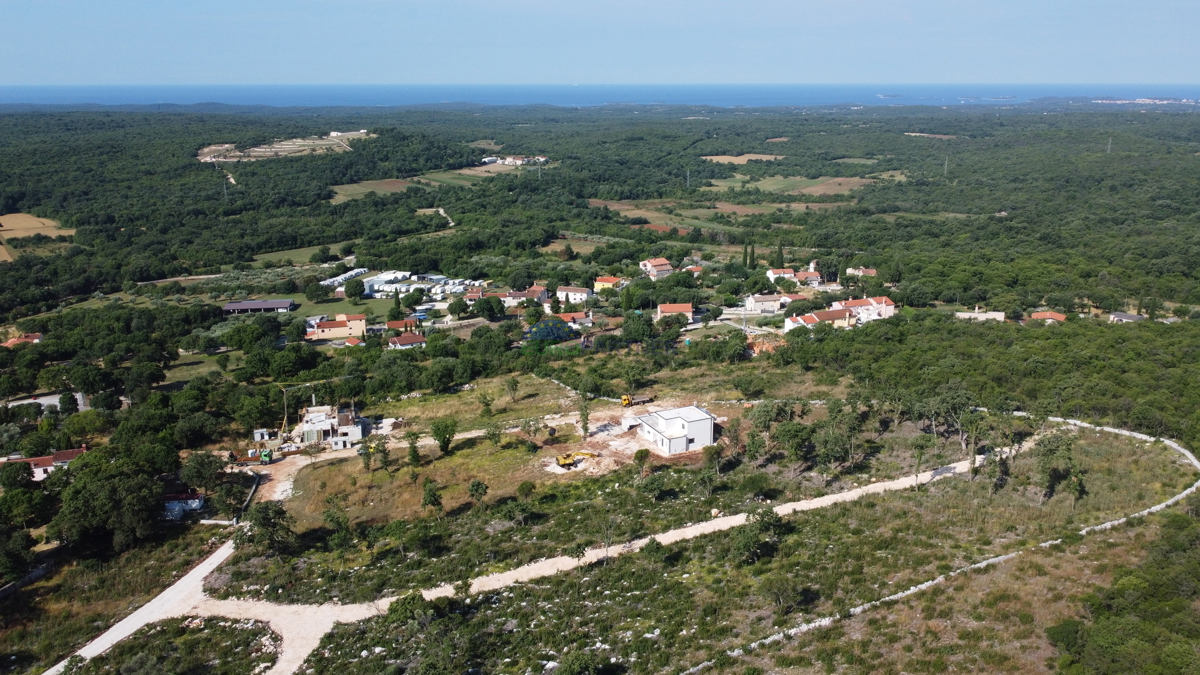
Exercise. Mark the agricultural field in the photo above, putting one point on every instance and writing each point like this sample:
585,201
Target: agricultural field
297,255
18,225
792,185
356,190
486,144
742,159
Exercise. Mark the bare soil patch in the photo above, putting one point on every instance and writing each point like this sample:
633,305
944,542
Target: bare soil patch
781,139
16,225
487,170
742,159
912,133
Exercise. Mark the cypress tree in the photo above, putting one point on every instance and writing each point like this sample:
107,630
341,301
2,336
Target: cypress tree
753,258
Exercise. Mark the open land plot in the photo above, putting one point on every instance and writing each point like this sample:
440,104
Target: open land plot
292,147
742,159
896,175
82,598
785,184
356,190
487,170
942,136
781,139
298,255
15,225
486,144
856,160
832,186
700,596
456,178
578,245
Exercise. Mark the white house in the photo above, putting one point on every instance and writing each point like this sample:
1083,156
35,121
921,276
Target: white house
861,272
573,294
1124,317
670,309
656,268
868,309
767,304
671,432
406,341
810,277
979,315
340,428
783,273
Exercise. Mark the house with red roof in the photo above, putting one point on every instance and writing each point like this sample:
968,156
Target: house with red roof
656,268
44,466
868,309
343,326
839,318
1048,317
27,338
668,309
406,341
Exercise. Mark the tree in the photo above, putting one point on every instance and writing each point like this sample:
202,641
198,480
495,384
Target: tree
337,521
412,437
921,445
580,663
525,490
443,430
486,400
114,509
585,411
315,292
68,404
640,458
493,433
511,384
204,470
634,374
223,361
431,495
229,498
1056,464
712,458
270,528
490,308
16,476
355,288
458,307
477,490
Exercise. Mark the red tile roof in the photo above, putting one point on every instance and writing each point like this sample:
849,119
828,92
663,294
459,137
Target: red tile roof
1048,316
675,308
402,324
332,324
608,280
657,261
407,339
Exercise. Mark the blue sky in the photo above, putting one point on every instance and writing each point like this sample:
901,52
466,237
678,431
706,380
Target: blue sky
51,42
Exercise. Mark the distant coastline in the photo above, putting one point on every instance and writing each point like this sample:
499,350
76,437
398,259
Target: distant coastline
716,95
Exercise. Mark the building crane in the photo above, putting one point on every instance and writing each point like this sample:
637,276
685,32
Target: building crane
285,389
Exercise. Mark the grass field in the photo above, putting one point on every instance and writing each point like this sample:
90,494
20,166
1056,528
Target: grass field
355,190
486,144
742,159
298,255
792,184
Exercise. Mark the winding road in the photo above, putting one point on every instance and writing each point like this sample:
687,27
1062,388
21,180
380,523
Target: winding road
302,626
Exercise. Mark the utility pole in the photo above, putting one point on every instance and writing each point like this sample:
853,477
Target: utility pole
1109,145
946,168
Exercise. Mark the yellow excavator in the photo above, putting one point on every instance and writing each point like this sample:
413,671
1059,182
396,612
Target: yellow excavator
568,460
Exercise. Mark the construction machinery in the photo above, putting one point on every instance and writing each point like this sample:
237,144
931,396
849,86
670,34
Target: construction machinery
628,400
568,460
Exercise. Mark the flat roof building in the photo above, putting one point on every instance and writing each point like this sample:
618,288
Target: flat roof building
254,306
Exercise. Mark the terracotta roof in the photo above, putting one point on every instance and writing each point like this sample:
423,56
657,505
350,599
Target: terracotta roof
785,270
868,302
573,289
832,314
407,339
331,324
571,316
1053,316
355,317
67,455
26,338
354,342
608,280
37,462
658,261
675,308
402,324
805,274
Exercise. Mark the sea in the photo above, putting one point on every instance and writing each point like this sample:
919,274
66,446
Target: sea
717,95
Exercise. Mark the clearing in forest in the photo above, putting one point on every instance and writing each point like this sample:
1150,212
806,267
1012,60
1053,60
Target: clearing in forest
791,185
312,145
742,159
16,225
856,160
486,144
355,190
781,139
913,133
